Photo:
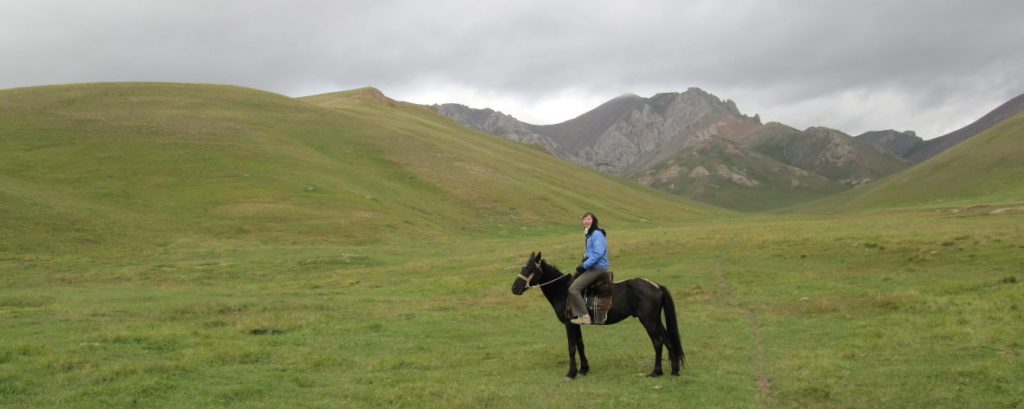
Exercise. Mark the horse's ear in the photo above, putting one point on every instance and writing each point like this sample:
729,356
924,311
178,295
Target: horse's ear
538,257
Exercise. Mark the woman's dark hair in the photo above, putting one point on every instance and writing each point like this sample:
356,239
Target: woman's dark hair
593,226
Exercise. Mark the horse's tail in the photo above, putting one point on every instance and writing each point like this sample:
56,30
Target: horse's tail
672,325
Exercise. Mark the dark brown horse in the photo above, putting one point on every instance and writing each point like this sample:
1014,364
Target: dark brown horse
636,297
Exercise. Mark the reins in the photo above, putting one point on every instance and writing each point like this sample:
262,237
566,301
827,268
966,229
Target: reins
530,278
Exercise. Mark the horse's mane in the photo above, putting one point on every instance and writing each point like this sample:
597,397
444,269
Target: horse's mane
544,266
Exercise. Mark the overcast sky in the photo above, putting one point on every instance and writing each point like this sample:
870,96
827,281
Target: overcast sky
856,66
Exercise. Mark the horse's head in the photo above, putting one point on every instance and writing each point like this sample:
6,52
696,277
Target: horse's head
528,275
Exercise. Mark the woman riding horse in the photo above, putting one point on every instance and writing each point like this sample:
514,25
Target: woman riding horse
636,297
593,266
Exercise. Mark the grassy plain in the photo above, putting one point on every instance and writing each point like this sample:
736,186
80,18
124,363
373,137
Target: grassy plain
182,246
918,309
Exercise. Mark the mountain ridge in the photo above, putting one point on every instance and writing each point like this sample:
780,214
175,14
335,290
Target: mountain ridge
981,171
932,147
654,141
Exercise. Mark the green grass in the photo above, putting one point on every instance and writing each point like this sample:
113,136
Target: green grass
925,312
135,271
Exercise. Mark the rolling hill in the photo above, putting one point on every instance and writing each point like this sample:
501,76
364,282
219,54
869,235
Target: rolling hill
983,170
95,167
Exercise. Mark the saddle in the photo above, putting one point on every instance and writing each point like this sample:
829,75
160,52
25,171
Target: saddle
598,296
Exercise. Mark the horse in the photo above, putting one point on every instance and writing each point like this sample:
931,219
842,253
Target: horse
635,297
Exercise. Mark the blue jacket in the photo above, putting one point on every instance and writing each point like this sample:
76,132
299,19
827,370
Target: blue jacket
597,251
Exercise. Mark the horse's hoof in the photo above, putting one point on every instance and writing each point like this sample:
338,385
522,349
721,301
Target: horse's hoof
654,374
570,378
675,373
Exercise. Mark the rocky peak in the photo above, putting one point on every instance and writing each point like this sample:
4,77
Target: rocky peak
898,142
630,133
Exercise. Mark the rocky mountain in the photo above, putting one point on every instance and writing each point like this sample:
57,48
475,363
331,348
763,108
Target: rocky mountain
826,152
497,123
699,146
623,136
630,134
899,143
733,175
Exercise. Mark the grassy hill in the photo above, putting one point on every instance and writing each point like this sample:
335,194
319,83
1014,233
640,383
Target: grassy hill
134,165
986,169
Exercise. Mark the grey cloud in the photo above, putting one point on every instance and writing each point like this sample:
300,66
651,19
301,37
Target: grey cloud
928,66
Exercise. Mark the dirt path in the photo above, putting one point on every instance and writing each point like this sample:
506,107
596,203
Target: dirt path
761,377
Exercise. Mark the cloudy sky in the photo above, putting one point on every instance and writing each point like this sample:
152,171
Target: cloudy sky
928,66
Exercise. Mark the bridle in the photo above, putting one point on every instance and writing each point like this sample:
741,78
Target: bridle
533,271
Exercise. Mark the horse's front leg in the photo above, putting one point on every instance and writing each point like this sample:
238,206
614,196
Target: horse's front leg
584,364
574,338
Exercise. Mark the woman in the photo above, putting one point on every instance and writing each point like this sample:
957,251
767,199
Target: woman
595,263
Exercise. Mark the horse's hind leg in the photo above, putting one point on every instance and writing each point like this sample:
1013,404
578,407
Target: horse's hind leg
673,356
657,333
